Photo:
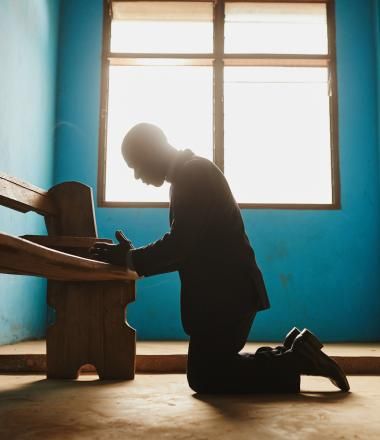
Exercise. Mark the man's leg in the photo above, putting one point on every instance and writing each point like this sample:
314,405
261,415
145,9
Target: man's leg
215,365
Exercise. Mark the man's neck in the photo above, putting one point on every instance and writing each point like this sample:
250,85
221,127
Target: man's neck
171,166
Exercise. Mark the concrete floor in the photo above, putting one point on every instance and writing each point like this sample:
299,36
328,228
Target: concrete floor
158,407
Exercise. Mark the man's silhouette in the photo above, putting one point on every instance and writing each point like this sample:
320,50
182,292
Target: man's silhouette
222,287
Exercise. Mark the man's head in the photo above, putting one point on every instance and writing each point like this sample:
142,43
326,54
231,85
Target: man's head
146,150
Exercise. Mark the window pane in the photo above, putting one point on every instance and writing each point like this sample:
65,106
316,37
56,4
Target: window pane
162,27
277,134
276,28
176,98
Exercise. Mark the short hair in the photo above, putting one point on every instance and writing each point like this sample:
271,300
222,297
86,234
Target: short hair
143,138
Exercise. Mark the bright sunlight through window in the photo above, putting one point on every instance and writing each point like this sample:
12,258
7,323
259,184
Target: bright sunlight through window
248,85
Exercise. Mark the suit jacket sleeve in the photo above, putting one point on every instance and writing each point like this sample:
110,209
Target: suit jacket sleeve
191,204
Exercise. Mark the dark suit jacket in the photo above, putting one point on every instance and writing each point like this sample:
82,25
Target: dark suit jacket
207,244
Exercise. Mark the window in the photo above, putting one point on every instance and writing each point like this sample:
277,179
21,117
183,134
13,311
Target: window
249,85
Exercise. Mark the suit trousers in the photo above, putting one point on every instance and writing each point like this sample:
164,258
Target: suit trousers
215,364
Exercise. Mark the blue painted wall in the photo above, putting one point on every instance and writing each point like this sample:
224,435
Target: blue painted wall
321,267
28,47
377,33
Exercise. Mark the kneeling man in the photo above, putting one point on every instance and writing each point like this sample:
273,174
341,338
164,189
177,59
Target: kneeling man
222,287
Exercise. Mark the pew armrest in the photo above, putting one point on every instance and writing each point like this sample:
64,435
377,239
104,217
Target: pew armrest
23,257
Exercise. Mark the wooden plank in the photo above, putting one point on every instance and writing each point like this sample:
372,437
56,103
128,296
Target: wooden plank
23,363
168,364
71,245
145,364
25,258
161,364
62,241
24,197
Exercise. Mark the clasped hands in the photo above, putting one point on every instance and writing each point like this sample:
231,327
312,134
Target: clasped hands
112,253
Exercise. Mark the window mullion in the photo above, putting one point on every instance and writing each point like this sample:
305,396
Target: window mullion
218,84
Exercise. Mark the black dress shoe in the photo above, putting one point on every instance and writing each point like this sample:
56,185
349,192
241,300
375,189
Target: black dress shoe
290,337
316,363
287,344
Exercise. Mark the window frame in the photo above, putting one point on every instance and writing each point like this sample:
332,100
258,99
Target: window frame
217,58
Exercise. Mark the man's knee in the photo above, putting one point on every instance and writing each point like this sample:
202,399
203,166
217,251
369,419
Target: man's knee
195,384
202,377
197,379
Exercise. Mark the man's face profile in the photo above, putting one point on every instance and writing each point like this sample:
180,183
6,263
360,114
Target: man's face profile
147,169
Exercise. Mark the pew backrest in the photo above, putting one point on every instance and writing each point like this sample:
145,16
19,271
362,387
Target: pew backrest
24,197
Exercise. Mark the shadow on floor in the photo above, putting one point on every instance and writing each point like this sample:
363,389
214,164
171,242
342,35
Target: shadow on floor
44,388
233,406
153,407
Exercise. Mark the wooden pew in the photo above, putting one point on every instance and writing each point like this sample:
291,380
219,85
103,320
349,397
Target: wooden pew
90,297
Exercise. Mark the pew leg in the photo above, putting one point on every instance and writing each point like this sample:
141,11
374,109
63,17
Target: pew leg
90,328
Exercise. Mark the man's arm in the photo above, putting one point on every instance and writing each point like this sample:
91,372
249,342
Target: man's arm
192,209
161,269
